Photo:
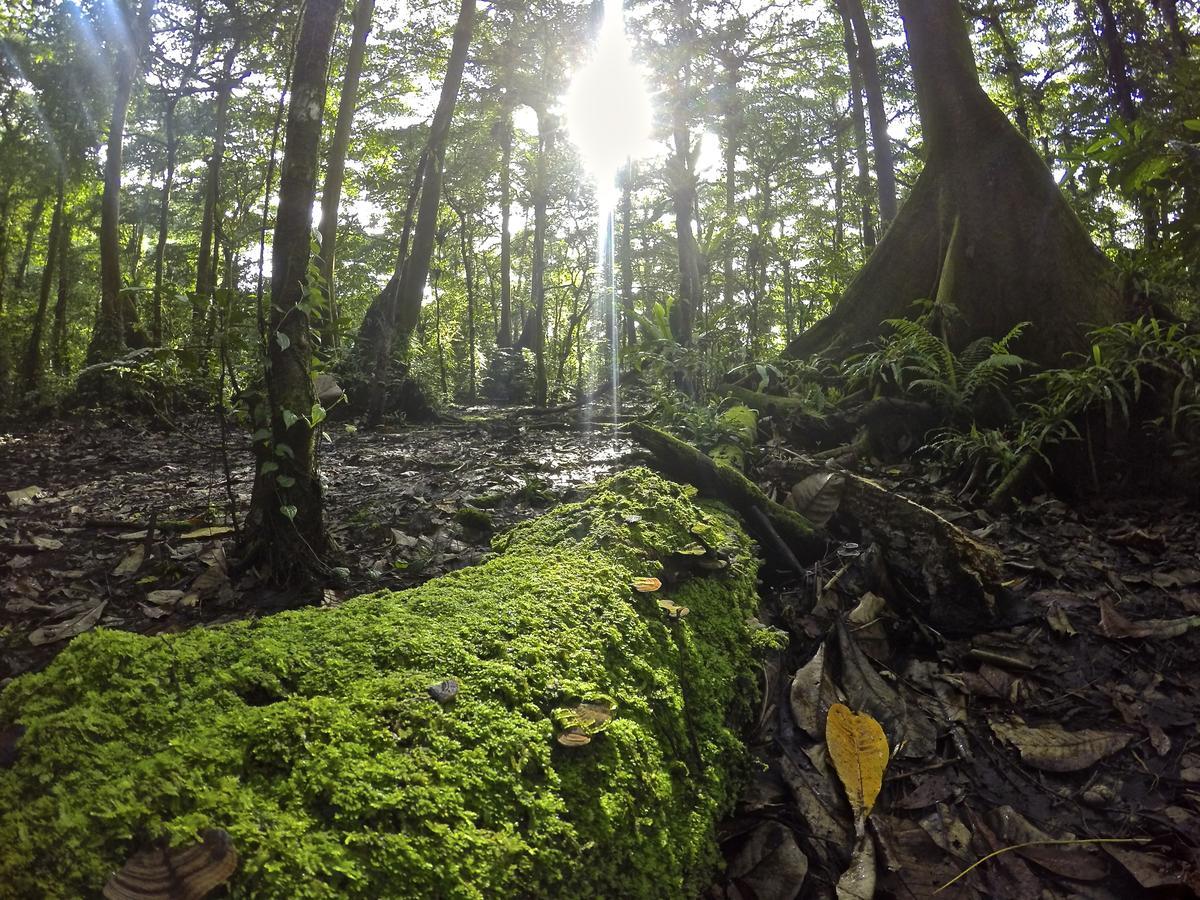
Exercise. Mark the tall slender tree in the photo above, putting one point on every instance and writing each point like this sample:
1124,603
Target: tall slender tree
285,526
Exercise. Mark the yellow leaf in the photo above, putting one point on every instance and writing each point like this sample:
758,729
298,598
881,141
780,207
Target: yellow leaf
672,609
859,751
646,585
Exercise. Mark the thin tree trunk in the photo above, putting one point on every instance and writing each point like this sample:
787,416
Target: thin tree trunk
206,262
116,322
1116,62
504,338
629,319
468,258
31,370
885,167
31,230
164,217
58,337
538,275
285,527
731,120
335,168
858,117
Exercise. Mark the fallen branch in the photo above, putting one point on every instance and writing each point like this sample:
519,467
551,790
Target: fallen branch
681,461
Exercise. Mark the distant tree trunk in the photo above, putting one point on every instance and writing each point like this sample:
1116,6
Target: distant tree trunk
537,282
1013,68
985,229
683,198
164,217
858,117
885,167
133,250
116,321
396,310
1121,81
468,259
629,319
789,306
207,262
285,528
732,123
31,230
58,337
335,167
31,370
504,338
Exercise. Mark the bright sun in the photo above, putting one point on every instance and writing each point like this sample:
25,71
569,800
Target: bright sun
608,106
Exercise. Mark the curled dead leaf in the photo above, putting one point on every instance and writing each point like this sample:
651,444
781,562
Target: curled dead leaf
1054,749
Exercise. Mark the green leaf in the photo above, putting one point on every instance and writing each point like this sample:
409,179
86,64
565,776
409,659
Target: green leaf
318,415
263,434
269,466
288,512
1193,124
290,418
285,481
283,340
285,450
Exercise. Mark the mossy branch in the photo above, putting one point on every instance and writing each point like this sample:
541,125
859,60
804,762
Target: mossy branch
681,461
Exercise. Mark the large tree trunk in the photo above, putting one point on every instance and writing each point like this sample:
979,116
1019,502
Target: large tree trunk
31,369
985,230
885,167
116,320
285,528
394,313
335,167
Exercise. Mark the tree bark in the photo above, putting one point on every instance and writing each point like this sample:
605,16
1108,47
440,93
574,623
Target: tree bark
986,228
335,167
858,117
31,369
285,527
468,260
731,121
116,320
885,166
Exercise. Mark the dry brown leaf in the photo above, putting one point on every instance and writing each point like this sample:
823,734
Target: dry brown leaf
858,749
75,625
210,531
1115,625
46,543
24,496
132,562
811,694
1054,749
818,496
1150,870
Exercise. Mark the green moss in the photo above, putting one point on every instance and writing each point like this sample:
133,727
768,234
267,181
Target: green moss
310,736
473,517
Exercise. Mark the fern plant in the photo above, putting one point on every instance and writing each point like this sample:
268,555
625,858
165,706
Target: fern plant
915,361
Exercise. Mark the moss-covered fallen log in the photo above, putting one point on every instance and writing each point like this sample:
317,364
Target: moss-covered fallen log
680,460
313,739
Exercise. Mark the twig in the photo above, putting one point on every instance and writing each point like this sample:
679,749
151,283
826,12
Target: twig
1046,843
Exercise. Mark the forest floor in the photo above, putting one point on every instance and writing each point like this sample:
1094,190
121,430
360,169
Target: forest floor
1076,720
